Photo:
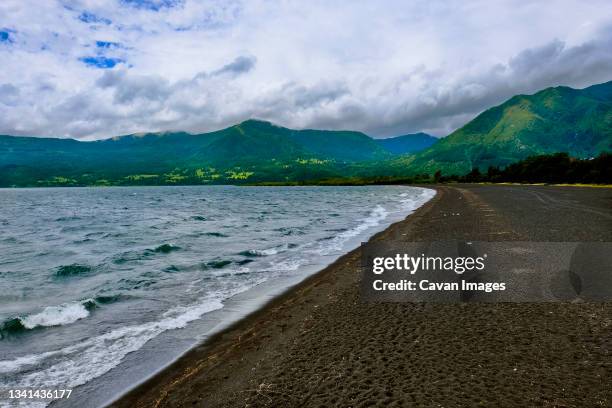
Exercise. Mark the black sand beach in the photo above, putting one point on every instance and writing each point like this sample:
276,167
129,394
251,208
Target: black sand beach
320,345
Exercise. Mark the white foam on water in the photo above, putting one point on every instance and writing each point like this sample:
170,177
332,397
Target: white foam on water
376,216
409,203
56,315
264,252
83,361
291,264
231,271
269,251
15,365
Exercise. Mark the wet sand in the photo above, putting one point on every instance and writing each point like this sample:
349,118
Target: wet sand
320,345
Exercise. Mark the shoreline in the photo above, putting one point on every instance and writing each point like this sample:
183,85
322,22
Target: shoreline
319,344
218,339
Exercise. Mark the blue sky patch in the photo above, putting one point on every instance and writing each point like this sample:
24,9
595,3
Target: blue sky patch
5,36
154,5
101,62
107,45
88,17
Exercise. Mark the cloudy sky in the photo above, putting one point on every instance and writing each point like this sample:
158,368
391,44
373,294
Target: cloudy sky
96,68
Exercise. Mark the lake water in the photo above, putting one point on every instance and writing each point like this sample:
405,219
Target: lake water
92,279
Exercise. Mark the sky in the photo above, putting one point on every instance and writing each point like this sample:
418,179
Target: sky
92,69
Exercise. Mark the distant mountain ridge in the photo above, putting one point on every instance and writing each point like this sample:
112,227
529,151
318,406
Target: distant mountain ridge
411,143
254,149
560,119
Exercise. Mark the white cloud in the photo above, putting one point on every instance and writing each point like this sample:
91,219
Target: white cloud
381,67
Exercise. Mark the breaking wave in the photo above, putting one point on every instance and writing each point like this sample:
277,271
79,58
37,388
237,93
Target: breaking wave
50,316
77,364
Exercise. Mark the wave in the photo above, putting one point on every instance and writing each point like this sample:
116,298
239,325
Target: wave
68,218
251,253
202,266
286,231
83,241
217,264
11,326
216,234
135,283
50,316
232,272
76,364
291,264
72,270
130,256
166,248
57,315
10,240
409,202
108,299
414,202
61,315
269,251
374,218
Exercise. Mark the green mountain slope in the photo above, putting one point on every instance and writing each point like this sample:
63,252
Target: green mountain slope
250,151
559,119
340,145
250,142
411,143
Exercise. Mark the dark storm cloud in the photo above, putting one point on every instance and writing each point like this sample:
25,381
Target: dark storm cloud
240,65
128,87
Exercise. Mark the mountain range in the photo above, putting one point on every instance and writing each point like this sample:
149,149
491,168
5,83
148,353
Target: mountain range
411,143
559,119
